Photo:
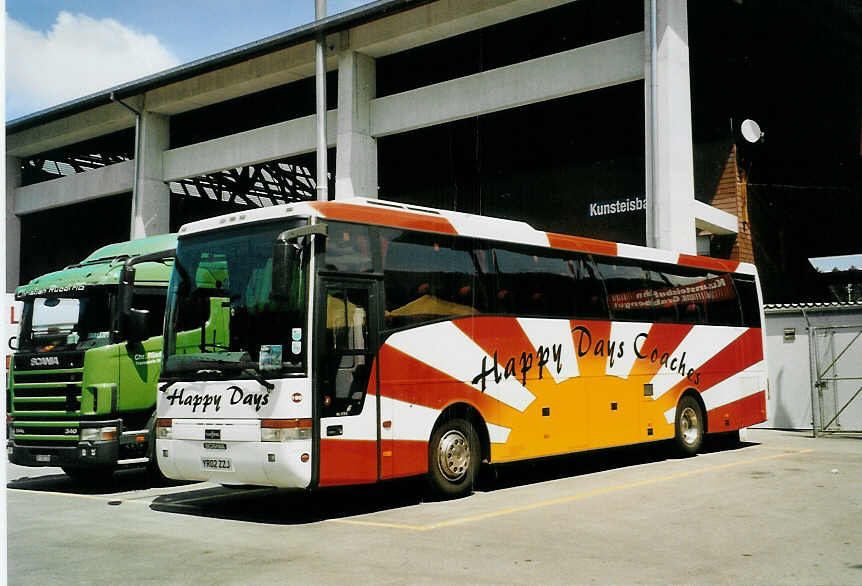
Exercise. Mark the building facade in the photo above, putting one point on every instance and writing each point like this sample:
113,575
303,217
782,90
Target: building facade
616,120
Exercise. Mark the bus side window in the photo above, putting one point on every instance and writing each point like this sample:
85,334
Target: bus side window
629,296
534,284
590,296
348,249
746,289
679,294
428,278
722,304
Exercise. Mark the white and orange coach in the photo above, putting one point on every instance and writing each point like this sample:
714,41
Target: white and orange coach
333,343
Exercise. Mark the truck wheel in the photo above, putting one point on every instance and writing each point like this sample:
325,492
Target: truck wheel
689,426
453,459
90,476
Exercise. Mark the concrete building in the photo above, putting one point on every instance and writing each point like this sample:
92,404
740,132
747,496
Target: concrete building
617,120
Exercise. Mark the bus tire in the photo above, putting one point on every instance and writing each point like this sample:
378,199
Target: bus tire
689,426
453,459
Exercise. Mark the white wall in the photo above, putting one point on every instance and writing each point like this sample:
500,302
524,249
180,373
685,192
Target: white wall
790,373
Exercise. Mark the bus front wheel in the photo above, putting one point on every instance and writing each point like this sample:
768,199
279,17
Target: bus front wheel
689,426
453,459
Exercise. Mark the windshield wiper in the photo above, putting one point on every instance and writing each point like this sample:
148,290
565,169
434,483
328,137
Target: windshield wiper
222,362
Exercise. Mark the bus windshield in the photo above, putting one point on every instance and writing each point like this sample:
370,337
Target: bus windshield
53,322
223,316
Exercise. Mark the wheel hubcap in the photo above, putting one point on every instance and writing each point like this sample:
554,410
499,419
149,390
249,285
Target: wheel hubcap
453,455
688,426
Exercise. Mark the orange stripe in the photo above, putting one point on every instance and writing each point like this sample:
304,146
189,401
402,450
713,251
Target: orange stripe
408,458
662,337
383,217
582,244
704,262
744,351
741,413
347,462
504,336
407,379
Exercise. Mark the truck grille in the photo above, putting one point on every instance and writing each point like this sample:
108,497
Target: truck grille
43,399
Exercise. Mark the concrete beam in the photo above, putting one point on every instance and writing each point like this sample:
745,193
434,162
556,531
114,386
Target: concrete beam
264,72
277,141
404,30
63,191
670,156
436,21
12,229
356,152
151,197
58,133
714,220
587,68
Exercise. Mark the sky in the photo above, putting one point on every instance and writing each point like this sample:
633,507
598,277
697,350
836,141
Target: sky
61,50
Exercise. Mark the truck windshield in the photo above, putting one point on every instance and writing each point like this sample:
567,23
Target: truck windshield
67,323
223,318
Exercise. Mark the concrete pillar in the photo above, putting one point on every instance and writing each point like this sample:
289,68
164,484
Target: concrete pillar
670,157
13,225
356,149
151,202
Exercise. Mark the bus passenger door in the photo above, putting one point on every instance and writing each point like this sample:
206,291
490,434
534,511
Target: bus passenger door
347,404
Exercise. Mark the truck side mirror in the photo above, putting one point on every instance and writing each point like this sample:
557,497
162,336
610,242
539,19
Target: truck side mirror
135,324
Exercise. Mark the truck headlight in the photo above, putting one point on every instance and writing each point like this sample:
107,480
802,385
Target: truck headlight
98,433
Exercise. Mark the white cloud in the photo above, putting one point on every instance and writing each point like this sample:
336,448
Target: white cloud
76,57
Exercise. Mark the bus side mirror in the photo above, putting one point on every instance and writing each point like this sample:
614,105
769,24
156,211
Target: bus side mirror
287,256
284,256
135,324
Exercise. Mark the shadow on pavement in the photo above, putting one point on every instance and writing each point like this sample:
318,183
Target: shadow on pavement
291,507
121,481
297,507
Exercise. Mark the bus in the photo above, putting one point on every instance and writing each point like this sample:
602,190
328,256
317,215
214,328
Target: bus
334,343
81,389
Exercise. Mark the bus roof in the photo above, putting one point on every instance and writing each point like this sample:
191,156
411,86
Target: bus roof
386,213
102,267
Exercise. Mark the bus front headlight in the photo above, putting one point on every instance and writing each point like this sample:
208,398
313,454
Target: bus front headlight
282,430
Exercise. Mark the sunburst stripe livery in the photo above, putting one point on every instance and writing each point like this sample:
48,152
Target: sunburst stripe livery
540,386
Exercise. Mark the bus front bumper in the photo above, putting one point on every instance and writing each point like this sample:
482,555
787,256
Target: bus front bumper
282,464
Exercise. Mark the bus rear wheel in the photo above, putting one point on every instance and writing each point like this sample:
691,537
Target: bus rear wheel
689,426
453,459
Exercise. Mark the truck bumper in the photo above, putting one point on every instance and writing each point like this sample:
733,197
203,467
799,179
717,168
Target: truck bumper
95,454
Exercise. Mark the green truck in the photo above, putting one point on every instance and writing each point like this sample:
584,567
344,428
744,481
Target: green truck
82,383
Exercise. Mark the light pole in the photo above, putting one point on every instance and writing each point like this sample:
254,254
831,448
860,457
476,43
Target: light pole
320,83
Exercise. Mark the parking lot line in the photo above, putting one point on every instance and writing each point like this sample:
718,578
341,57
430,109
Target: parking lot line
567,499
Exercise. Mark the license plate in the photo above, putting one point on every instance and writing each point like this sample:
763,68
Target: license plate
219,464
43,458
